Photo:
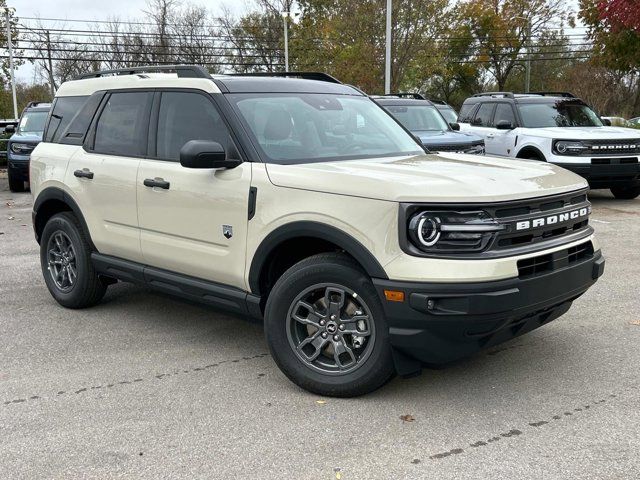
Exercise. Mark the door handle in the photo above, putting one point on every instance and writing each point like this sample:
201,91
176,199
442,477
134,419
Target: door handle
491,135
156,182
84,173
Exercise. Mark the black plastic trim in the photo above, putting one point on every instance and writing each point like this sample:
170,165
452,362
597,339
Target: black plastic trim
317,230
253,194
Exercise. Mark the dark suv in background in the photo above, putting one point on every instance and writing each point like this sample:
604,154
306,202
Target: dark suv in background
23,141
421,117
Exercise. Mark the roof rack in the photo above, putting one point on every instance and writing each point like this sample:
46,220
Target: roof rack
495,94
35,104
555,94
183,71
438,102
320,76
413,95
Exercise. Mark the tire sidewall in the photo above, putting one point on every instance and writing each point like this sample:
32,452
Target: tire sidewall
61,222
377,368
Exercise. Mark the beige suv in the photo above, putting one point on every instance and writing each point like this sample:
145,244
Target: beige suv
298,200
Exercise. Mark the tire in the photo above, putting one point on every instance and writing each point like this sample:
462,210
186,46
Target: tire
626,193
15,184
335,372
86,289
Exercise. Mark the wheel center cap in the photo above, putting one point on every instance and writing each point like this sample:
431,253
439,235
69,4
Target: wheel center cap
332,327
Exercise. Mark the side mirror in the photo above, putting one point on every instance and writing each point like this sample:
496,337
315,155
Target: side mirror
454,126
205,154
504,125
606,122
10,129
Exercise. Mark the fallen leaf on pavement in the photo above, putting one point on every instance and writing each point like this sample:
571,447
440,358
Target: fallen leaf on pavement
635,322
321,402
12,218
407,418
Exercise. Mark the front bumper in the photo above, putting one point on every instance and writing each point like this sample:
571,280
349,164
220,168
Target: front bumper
18,168
616,173
439,322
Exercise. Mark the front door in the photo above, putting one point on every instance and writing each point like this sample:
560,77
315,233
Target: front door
195,222
502,142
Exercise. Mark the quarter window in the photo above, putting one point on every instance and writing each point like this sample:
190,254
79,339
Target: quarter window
64,109
123,125
188,116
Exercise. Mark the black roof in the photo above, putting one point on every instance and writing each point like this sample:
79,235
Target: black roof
388,100
266,84
537,97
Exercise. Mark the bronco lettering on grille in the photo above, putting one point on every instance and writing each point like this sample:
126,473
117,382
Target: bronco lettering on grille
552,219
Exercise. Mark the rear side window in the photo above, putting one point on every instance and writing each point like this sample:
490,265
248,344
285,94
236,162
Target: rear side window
63,111
482,118
77,129
504,112
187,116
465,113
123,124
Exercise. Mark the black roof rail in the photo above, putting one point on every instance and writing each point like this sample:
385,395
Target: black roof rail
438,102
495,94
320,76
183,71
34,104
413,95
555,94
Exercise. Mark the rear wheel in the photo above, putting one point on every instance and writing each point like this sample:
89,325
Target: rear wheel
15,184
628,192
326,329
65,256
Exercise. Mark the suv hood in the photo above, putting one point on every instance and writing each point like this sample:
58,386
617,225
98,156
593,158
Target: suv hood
585,133
450,177
436,137
26,137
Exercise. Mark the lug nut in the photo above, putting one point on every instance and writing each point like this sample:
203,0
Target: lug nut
341,327
333,317
322,322
324,334
336,337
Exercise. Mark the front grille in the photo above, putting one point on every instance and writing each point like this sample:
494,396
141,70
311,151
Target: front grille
617,147
534,266
614,161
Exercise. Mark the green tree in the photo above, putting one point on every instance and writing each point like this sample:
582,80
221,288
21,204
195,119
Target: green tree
13,21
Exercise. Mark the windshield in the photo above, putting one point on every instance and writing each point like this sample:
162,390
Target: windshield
295,128
563,113
419,117
449,114
32,122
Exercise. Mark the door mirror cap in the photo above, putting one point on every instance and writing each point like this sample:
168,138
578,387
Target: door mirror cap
504,125
10,129
606,122
205,154
454,126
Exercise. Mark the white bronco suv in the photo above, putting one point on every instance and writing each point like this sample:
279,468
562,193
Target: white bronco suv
558,128
303,203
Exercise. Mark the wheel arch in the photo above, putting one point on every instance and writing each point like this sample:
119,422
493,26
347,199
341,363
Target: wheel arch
317,238
53,200
529,150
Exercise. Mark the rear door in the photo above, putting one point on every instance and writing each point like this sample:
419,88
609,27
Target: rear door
102,175
197,224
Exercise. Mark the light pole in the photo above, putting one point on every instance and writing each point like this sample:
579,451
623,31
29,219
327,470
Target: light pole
527,74
285,17
387,57
13,80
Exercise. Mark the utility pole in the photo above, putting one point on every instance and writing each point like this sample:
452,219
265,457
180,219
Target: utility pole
51,84
285,18
387,57
527,74
13,80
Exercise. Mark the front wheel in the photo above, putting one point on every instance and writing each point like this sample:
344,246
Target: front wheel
626,193
65,256
326,328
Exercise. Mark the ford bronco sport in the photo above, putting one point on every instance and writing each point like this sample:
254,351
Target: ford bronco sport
303,203
558,128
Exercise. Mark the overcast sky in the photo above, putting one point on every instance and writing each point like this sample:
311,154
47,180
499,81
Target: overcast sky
97,10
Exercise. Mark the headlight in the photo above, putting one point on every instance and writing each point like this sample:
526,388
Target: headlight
452,232
569,147
21,148
477,149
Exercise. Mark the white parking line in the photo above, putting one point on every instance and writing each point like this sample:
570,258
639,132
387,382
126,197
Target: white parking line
600,221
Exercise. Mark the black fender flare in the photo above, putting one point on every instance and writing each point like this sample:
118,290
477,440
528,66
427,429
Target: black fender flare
317,230
57,194
531,148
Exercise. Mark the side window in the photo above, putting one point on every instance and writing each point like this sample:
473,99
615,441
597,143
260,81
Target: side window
123,124
185,116
482,118
74,134
63,111
465,113
504,112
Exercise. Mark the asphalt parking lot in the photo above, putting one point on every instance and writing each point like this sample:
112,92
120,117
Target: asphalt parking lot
148,386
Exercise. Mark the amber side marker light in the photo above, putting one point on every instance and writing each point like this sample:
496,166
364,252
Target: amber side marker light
394,295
